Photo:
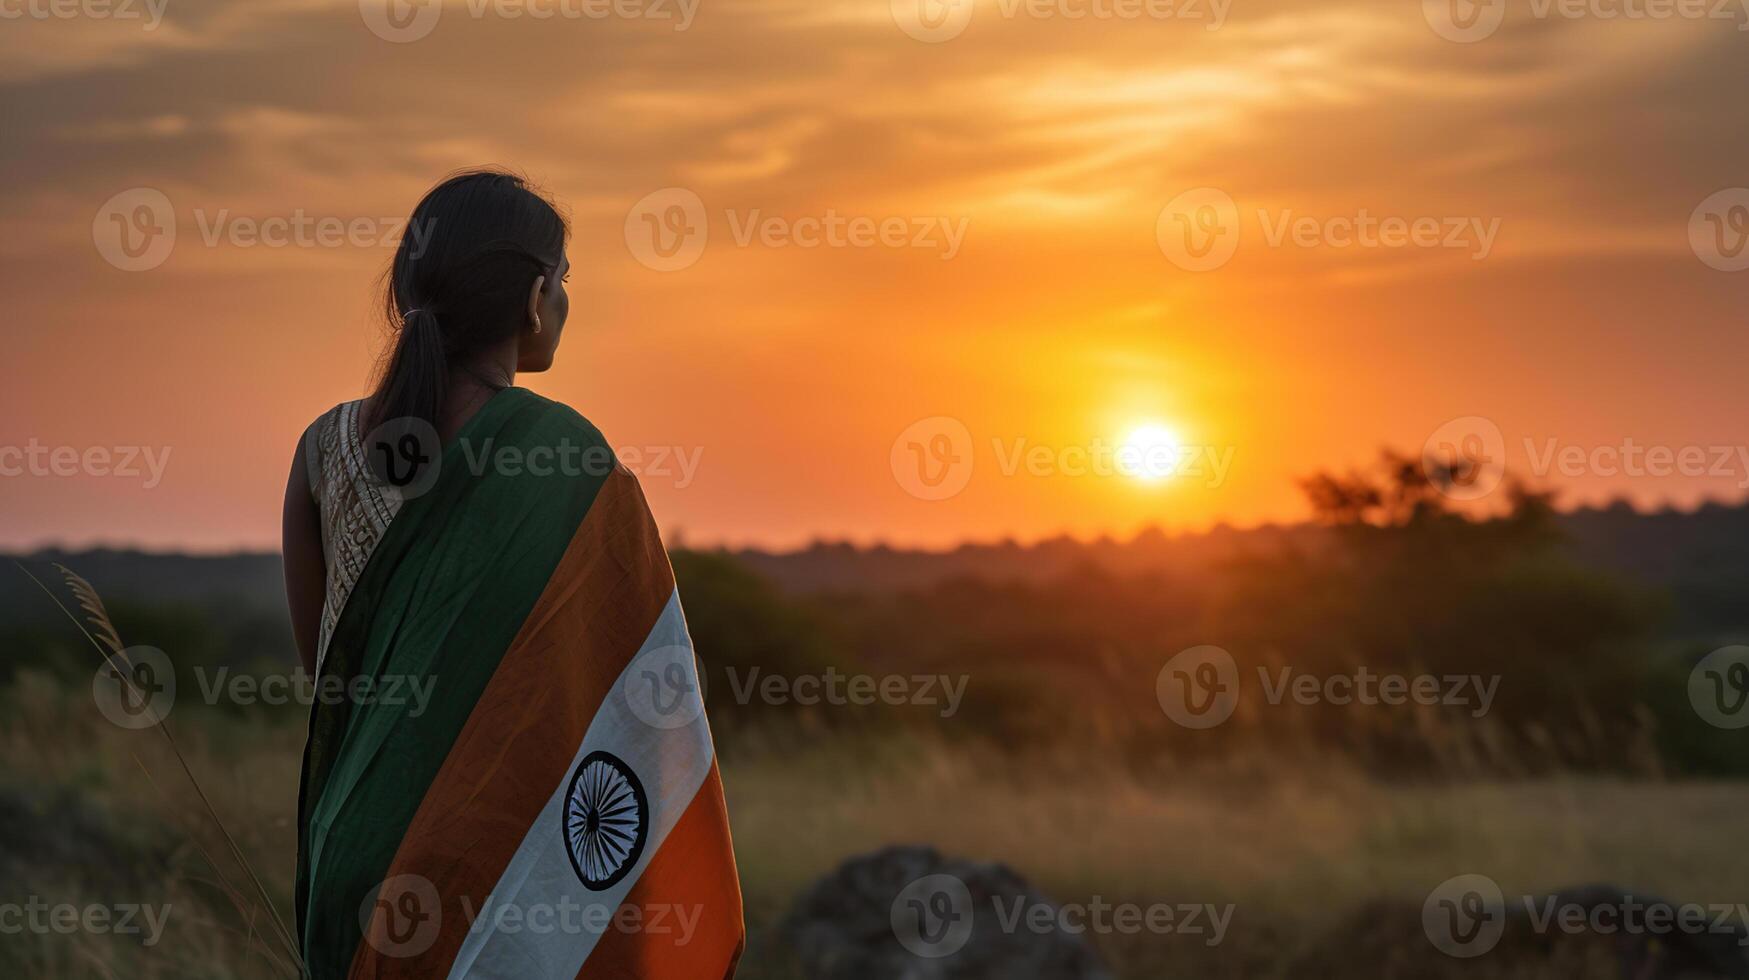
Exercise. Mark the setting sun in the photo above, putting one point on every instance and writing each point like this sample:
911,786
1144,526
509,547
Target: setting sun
1150,452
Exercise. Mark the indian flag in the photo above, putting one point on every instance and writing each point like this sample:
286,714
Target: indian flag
551,807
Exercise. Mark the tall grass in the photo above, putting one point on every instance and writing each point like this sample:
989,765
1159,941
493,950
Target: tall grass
250,901
1301,851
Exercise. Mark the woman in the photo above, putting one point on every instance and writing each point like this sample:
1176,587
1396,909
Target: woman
508,773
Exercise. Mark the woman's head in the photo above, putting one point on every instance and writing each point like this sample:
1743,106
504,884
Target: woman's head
480,271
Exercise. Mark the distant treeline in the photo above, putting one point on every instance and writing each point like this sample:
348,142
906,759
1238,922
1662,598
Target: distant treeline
1554,641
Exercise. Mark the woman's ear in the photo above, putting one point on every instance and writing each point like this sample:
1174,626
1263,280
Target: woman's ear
534,294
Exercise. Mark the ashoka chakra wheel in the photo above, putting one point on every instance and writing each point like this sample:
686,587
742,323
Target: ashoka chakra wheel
607,820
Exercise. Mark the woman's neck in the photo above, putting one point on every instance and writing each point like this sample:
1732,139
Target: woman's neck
471,386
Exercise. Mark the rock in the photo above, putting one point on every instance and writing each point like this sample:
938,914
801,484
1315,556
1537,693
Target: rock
907,913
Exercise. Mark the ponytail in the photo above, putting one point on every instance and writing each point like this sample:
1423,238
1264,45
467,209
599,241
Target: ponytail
416,377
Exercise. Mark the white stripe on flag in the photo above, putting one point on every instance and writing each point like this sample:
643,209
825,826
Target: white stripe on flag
671,763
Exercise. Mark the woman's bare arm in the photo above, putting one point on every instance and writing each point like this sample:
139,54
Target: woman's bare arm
305,572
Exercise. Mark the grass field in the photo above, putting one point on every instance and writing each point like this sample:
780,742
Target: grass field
1299,854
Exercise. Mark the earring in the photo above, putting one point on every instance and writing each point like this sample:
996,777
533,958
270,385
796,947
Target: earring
537,323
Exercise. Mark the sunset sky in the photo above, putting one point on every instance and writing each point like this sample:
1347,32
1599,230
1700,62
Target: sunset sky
1037,296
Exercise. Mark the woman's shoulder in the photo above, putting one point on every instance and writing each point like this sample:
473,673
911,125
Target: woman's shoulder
322,437
558,418
325,430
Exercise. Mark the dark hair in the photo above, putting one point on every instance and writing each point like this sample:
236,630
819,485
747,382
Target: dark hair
459,283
